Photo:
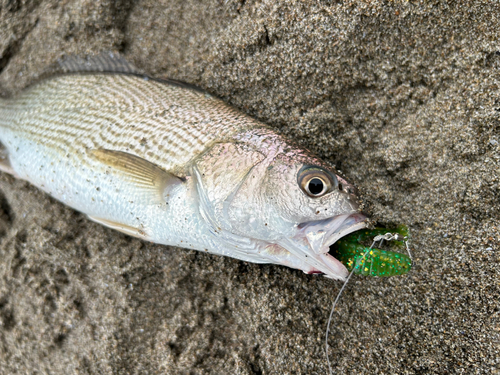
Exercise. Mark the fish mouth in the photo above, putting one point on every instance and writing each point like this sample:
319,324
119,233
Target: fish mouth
313,239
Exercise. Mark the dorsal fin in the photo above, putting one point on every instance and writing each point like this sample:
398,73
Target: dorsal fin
110,62
106,62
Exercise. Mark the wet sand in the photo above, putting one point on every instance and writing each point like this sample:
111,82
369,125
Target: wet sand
403,97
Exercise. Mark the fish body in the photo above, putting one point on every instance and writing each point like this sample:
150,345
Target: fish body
174,165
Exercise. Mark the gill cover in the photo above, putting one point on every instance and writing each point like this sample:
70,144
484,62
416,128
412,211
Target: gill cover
219,174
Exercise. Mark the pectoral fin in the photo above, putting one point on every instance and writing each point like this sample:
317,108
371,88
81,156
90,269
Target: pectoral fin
147,179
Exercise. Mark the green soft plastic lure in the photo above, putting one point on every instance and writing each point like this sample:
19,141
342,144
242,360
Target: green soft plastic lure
382,263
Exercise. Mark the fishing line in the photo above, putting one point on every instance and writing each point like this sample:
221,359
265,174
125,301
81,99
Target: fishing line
335,304
381,238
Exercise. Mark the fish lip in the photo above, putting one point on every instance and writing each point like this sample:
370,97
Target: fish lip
332,229
312,242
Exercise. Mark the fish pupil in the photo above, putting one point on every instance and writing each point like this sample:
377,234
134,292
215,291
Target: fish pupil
316,186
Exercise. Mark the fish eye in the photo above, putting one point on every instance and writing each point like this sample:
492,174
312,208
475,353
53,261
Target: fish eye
315,181
315,186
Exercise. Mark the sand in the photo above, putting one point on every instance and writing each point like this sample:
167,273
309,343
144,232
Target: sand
402,96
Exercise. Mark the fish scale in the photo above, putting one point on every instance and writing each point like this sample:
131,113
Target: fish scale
168,163
181,123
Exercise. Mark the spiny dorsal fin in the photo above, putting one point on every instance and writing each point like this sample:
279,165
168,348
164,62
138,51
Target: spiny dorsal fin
106,62
110,62
149,180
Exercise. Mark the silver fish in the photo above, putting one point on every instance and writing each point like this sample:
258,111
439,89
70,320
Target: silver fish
168,163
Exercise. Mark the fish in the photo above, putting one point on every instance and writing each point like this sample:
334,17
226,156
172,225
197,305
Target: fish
170,163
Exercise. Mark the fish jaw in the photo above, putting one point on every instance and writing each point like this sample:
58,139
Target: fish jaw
312,241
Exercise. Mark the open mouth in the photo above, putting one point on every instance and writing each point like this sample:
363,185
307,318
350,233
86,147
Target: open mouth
313,240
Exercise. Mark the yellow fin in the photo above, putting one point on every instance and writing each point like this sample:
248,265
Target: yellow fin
124,228
148,179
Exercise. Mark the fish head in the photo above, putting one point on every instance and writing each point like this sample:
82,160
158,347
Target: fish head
299,206
305,189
